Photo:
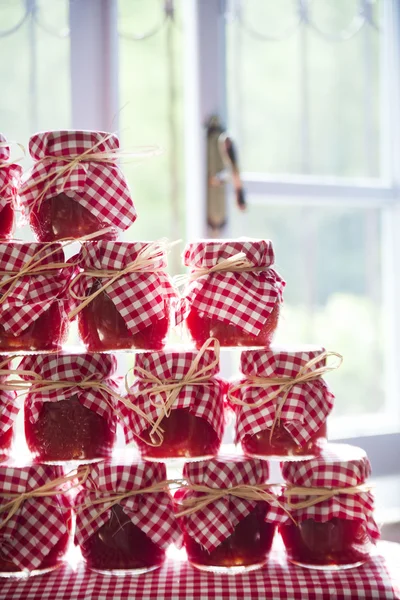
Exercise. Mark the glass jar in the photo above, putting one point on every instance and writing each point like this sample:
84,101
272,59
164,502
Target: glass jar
111,320
189,415
229,534
68,196
34,305
38,544
287,419
72,416
10,175
233,293
334,530
132,536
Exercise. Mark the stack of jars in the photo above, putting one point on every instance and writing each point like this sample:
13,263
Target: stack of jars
177,406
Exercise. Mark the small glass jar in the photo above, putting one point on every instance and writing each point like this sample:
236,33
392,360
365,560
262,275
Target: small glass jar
132,536
70,418
229,534
10,175
337,532
233,295
66,196
38,544
111,320
34,306
192,421
288,419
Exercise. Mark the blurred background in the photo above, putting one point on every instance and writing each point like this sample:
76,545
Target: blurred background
309,91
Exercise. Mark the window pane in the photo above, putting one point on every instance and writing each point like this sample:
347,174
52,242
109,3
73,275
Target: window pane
331,260
152,113
305,103
35,67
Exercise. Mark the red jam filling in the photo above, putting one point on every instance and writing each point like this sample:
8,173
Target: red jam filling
185,435
248,545
202,328
6,440
52,559
7,221
335,542
101,327
67,430
282,444
63,217
119,544
48,332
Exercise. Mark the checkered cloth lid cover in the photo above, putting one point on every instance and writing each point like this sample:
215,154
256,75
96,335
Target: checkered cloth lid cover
211,525
39,523
8,411
307,406
339,466
100,187
74,368
10,175
32,295
153,513
243,299
204,401
140,298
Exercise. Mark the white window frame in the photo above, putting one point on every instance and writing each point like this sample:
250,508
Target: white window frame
205,76
94,67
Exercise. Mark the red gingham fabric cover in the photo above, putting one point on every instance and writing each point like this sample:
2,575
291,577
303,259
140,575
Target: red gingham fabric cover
10,176
307,406
339,466
74,368
39,523
377,579
33,294
101,188
242,299
8,410
211,525
142,299
152,513
204,401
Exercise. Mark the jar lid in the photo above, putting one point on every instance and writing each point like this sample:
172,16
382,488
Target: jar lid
280,361
15,255
107,255
338,466
38,523
208,253
152,512
70,143
175,364
69,367
224,472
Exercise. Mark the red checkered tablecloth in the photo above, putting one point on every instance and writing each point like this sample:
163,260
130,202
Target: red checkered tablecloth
379,579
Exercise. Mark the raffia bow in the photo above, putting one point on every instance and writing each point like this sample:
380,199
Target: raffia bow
317,495
284,384
48,490
145,262
109,156
167,391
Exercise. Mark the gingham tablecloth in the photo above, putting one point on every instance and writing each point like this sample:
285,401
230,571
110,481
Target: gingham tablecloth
379,579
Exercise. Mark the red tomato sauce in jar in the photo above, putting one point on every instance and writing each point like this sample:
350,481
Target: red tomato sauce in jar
7,221
66,430
63,217
101,327
248,545
121,545
48,332
185,436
